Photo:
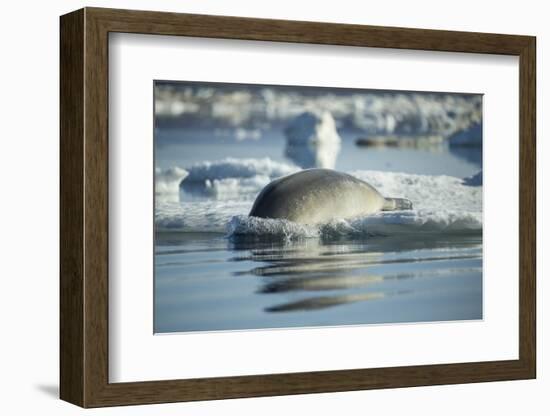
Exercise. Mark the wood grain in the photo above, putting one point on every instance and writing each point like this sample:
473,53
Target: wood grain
84,207
527,207
71,184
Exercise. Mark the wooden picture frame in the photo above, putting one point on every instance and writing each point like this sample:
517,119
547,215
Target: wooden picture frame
84,207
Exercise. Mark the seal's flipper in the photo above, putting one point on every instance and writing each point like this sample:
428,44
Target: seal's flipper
397,204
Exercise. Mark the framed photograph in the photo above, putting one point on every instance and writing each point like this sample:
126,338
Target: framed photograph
255,207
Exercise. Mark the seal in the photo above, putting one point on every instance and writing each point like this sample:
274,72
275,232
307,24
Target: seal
314,196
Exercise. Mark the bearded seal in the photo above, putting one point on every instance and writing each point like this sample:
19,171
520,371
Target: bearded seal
314,196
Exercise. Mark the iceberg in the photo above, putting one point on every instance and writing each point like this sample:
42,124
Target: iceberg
167,182
312,140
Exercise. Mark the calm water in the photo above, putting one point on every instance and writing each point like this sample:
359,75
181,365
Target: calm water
181,147
207,281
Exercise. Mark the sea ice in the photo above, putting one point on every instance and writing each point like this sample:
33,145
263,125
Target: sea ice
312,140
442,204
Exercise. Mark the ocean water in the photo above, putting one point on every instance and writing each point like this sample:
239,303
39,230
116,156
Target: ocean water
218,269
207,282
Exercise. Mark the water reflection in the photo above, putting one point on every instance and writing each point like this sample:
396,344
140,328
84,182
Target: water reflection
323,302
204,281
347,245
318,283
365,268
325,283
